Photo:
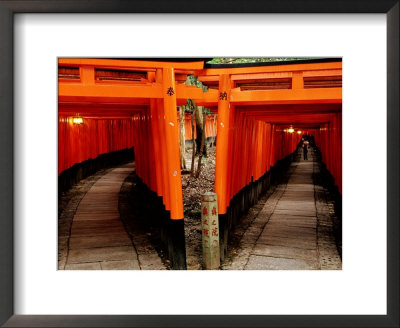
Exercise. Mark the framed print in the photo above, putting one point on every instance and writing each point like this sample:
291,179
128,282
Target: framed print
37,38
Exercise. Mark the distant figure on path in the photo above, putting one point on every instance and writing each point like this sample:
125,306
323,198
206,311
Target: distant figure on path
305,150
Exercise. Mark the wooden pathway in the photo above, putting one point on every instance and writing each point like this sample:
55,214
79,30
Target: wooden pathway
98,239
293,231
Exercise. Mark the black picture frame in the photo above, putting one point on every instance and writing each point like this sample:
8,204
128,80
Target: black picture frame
7,11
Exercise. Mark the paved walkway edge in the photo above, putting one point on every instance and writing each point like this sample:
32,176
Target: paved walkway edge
300,235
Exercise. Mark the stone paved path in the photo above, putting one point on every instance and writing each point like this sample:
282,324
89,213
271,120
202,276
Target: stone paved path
98,239
294,229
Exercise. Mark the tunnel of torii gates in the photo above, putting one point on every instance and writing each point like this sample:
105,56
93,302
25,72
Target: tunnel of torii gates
262,113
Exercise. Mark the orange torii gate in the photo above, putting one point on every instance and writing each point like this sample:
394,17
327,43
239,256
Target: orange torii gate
148,94
159,94
262,87
253,104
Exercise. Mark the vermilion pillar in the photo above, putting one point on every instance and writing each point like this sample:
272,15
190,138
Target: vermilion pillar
175,226
222,142
163,145
156,140
172,137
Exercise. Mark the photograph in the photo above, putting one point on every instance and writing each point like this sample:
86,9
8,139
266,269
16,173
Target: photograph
199,163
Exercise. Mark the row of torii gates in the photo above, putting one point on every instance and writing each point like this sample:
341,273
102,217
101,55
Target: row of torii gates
259,108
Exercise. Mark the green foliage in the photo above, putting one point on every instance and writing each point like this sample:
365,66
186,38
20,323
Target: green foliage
188,106
239,60
192,80
206,110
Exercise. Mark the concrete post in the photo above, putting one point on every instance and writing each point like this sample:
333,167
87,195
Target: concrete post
210,231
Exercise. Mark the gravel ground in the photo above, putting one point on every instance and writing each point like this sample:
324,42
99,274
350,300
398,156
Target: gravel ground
192,189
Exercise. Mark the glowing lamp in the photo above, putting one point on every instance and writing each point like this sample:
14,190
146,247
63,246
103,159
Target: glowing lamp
299,132
77,120
290,130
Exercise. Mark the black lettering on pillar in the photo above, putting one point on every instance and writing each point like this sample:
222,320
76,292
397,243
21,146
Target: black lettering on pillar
170,91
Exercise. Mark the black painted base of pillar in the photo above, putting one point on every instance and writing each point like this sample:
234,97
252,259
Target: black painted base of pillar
171,232
247,197
223,234
80,171
325,179
176,244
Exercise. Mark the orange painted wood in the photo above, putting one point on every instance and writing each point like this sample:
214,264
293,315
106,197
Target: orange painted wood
297,96
222,142
172,137
78,143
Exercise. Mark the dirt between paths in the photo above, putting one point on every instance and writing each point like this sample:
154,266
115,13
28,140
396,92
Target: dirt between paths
192,189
